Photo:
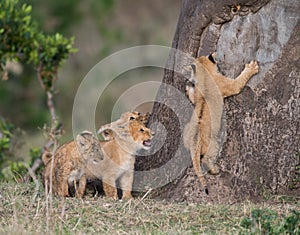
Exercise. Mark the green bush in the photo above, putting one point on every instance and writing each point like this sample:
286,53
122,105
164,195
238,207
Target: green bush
16,170
268,222
11,169
22,41
6,129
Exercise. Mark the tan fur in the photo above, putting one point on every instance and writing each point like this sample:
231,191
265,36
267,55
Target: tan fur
106,131
121,158
117,162
67,167
201,133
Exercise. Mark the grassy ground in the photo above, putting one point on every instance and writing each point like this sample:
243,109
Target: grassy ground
25,210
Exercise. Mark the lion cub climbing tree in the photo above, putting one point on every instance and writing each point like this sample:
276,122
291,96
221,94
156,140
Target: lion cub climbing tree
260,150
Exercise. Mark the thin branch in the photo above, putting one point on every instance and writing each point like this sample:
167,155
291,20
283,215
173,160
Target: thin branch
51,108
39,70
37,184
53,132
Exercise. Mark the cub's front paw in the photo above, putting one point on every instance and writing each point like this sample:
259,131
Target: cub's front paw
252,67
190,91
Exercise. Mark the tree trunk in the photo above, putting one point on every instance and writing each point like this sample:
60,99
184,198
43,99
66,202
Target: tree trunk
261,149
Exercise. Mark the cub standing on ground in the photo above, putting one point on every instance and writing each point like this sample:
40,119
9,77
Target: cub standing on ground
68,167
74,163
206,90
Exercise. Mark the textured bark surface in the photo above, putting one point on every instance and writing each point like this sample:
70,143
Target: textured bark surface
261,131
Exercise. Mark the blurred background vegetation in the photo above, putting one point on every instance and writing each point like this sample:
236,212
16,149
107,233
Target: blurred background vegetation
100,28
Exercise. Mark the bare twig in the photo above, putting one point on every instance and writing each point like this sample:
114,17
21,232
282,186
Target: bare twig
36,164
146,194
37,184
51,108
55,129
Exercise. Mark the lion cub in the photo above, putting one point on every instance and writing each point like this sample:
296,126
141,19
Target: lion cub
119,157
76,162
206,90
68,166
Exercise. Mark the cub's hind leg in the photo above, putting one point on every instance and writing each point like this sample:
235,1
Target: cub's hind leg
209,151
209,158
61,178
209,139
63,188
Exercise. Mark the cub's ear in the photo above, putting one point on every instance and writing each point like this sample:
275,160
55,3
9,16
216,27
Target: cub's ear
86,134
46,157
193,68
108,134
82,139
211,57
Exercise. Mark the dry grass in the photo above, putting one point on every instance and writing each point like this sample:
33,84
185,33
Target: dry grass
24,211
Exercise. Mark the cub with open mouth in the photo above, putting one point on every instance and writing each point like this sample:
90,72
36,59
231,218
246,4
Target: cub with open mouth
86,158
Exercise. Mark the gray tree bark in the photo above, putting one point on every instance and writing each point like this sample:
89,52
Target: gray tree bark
261,136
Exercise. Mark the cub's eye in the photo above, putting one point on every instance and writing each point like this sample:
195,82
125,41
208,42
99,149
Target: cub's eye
142,130
131,118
